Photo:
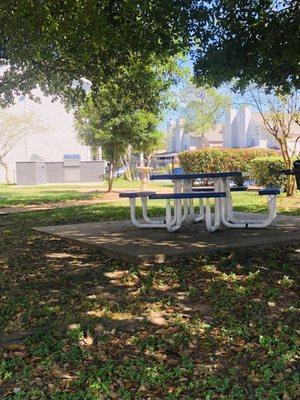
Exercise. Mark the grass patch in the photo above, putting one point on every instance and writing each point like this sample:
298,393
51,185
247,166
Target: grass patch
216,327
13,195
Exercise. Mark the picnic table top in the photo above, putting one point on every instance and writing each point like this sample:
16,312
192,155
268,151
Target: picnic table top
199,175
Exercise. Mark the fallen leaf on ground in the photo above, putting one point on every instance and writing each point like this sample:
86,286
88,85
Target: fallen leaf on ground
59,373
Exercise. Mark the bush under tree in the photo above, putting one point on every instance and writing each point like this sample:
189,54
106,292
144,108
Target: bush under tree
220,160
265,170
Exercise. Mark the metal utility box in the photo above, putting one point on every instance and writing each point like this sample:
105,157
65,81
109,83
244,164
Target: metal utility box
70,170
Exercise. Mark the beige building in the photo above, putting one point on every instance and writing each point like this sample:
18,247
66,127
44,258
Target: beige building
56,138
181,141
245,128
242,128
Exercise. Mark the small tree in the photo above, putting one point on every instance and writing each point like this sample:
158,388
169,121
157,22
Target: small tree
118,129
122,114
280,114
12,129
201,108
153,142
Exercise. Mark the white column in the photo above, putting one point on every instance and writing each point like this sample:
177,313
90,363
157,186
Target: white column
141,159
244,118
230,130
178,135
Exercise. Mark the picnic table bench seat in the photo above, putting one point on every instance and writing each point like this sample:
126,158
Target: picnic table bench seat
134,195
211,188
193,195
270,191
195,176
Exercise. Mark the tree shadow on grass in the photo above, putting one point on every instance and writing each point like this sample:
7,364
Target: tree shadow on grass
211,326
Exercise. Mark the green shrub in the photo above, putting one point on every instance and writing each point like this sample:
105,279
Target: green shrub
264,171
221,160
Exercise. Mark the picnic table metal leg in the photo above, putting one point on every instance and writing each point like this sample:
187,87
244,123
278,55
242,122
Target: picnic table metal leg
195,217
185,189
228,200
252,223
228,207
145,213
137,223
226,222
272,212
225,205
208,216
180,186
200,216
228,211
177,216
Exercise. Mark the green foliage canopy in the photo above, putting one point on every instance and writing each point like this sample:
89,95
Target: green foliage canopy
113,128
51,44
201,107
250,41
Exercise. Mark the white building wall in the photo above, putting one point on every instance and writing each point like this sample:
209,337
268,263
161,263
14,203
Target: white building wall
242,130
294,146
185,142
235,130
51,144
178,135
230,137
244,118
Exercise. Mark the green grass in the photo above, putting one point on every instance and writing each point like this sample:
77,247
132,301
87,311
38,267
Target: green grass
229,322
26,195
252,202
123,184
29,195
13,195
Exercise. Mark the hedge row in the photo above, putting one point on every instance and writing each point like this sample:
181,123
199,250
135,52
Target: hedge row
265,171
218,160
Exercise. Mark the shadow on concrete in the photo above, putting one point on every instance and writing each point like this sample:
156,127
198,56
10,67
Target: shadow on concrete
121,240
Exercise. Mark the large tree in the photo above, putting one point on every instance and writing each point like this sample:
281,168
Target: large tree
249,41
150,144
53,43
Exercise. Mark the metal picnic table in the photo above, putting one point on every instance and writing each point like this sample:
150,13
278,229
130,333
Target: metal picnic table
183,183
184,196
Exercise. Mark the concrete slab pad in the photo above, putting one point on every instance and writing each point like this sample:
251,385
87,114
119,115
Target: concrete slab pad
121,240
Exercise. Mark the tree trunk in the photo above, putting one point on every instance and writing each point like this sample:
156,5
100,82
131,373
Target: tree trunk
128,175
127,172
5,166
291,184
110,176
290,188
